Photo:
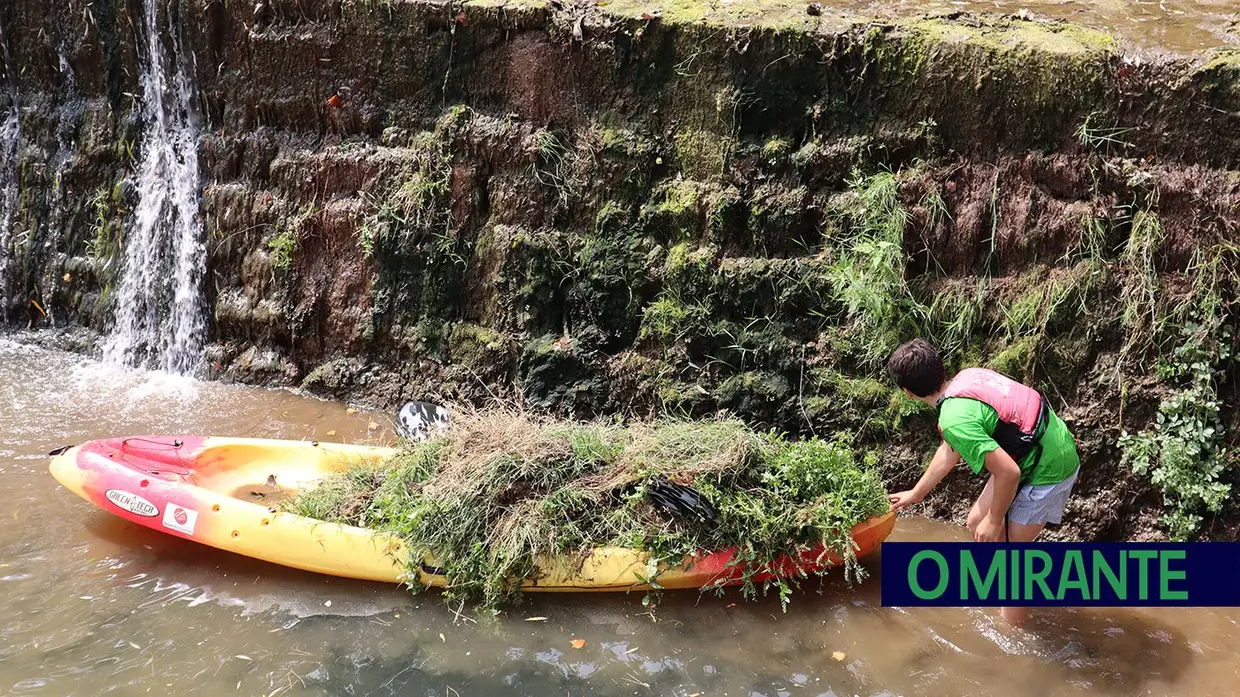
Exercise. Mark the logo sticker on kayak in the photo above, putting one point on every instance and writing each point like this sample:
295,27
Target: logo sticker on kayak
180,519
132,502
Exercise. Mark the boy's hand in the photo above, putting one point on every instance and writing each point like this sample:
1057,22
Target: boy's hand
904,499
988,531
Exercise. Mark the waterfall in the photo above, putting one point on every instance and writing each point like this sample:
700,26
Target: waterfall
159,319
10,185
70,113
10,193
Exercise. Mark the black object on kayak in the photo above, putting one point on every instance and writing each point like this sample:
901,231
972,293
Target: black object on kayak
681,501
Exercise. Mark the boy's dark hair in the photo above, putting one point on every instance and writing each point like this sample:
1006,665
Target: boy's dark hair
916,366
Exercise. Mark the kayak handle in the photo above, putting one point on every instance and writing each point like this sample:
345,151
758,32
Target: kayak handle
176,442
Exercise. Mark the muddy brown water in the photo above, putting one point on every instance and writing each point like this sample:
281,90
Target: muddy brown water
92,605
1174,25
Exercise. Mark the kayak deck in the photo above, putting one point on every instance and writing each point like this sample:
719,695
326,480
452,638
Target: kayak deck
223,492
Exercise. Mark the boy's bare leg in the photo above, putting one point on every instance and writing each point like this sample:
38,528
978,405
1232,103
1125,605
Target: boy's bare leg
1020,532
1017,532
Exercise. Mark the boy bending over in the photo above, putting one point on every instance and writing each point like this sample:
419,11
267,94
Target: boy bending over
998,425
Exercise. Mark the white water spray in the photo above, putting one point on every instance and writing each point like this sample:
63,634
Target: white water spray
52,233
10,185
10,188
159,318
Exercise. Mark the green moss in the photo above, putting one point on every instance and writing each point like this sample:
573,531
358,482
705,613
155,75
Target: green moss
817,407
701,154
677,259
407,228
676,211
649,386
612,216
559,374
477,347
689,273
753,392
1222,61
523,272
807,154
777,220
752,343
1031,81
687,265
1055,38
669,320
682,398
796,291
776,149
725,214
680,198
768,14
331,377
641,376
610,283
624,142
1015,359
615,139
866,392
870,406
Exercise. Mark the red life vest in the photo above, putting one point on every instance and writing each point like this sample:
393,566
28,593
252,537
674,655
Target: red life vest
1023,413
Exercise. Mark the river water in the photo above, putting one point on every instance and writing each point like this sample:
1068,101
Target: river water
93,605
1173,25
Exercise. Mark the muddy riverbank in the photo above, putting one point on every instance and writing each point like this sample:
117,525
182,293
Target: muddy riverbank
650,208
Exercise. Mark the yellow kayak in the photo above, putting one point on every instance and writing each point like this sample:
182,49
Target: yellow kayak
221,492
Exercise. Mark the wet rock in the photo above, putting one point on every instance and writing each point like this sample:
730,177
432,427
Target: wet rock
332,378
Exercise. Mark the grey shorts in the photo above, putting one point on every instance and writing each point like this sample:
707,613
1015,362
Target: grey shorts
1042,504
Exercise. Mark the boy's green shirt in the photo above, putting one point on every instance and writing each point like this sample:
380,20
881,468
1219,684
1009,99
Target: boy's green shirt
966,425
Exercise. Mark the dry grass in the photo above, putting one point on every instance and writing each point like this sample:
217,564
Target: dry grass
505,487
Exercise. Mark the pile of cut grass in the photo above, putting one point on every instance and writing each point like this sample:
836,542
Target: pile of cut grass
504,488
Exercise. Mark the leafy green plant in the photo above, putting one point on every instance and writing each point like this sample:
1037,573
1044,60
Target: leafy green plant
868,276
1185,452
372,225
558,165
414,210
283,245
100,243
